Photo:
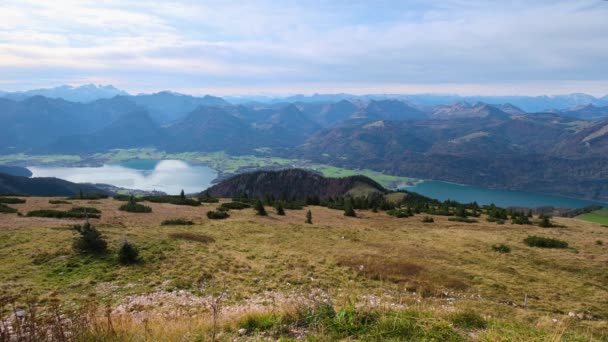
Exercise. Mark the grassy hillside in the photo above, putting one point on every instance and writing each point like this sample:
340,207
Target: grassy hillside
374,277
598,216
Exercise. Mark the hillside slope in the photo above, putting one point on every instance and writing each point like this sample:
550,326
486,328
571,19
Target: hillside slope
44,186
292,183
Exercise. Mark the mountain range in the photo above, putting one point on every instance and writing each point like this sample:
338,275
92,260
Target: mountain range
477,143
92,92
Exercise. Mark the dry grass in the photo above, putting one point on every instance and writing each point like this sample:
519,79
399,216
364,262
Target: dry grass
192,237
381,268
253,256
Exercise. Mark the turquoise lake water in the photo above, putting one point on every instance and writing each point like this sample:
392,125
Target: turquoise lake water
169,176
502,198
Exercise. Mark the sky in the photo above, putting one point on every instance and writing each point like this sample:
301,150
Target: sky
286,47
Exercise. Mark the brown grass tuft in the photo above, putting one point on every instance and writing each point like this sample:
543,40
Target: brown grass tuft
381,268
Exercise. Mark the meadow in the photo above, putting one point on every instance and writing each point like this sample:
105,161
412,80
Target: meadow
598,216
370,277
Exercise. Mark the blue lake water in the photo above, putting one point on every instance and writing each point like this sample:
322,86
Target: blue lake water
170,176
503,198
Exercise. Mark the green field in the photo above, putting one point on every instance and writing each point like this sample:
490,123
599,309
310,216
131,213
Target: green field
598,216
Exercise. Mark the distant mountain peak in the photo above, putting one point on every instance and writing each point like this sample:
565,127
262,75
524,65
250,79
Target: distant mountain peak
82,93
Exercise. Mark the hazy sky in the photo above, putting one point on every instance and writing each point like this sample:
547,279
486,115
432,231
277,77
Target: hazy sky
283,47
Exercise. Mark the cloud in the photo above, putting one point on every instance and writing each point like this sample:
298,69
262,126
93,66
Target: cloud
269,45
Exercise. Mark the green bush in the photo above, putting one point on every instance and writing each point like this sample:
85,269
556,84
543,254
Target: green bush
61,214
309,217
427,219
83,210
542,242
82,196
258,322
11,200
176,222
128,253
599,242
545,222
462,219
204,197
501,248
217,215
6,209
400,213
134,207
259,209
349,210
235,205
59,202
176,200
468,320
126,198
279,208
90,240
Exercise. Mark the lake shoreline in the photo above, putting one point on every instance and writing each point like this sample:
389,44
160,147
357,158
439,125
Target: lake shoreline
465,193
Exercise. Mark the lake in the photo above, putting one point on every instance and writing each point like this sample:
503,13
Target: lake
169,176
502,198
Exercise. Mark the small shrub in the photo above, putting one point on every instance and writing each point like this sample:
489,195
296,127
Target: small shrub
462,219
6,209
134,207
349,210
542,242
501,248
258,322
279,209
90,240
61,214
59,202
176,222
468,320
521,219
175,200
400,213
599,242
204,197
126,198
309,217
83,210
11,200
427,219
82,196
192,237
128,253
217,215
495,219
259,209
235,205
545,222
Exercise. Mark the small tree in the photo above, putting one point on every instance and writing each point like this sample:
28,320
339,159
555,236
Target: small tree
348,209
460,211
279,208
259,208
545,221
309,217
90,240
182,195
128,253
